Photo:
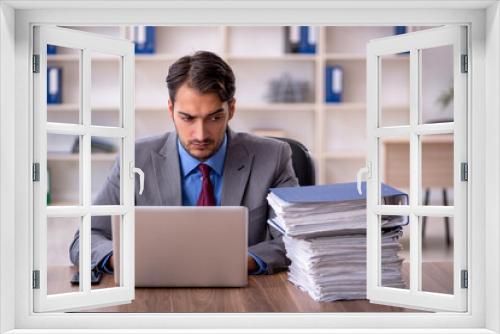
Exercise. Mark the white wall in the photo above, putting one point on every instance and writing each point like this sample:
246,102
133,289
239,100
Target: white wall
7,175
492,213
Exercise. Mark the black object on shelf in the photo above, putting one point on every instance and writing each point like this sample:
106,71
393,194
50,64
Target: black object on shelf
292,39
285,89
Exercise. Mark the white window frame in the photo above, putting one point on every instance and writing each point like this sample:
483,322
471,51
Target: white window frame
86,43
413,296
17,17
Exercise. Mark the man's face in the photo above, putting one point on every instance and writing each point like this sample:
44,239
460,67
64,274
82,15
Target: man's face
200,120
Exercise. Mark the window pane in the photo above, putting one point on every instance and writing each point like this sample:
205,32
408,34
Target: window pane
394,90
437,170
436,85
394,164
103,278
394,252
105,152
105,93
63,84
63,161
437,254
60,269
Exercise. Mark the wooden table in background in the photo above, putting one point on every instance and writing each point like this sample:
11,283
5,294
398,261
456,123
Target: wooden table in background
265,293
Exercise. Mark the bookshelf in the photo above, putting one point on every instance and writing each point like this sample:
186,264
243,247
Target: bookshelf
334,132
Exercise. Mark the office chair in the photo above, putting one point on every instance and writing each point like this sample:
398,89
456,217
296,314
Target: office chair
302,162
444,192
446,219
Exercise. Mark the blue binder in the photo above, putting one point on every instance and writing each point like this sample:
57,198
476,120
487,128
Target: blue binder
307,43
338,192
51,49
144,39
334,84
399,30
54,85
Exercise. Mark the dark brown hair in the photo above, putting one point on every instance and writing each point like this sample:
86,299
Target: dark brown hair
204,71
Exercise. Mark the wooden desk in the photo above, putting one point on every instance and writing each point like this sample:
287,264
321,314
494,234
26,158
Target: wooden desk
266,293
437,162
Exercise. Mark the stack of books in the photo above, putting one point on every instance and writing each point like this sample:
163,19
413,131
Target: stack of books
324,230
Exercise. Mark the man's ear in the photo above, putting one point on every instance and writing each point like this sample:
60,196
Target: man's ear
231,104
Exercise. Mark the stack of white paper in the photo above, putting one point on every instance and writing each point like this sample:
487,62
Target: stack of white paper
326,241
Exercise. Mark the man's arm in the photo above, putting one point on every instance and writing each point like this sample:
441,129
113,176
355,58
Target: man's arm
101,243
272,251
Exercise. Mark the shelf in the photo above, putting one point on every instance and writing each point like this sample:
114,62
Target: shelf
75,157
70,57
344,106
72,107
154,57
63,203
63,107
345,155
361,106
345,56
362,57
276,107
282,57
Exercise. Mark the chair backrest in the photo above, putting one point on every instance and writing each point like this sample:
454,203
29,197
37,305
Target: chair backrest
302,161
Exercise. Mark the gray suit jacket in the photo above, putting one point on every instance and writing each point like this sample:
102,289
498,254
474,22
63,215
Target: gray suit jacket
253,165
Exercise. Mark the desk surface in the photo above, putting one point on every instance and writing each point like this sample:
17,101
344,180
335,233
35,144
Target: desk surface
266,293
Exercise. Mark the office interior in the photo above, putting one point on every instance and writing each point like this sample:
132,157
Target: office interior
280,92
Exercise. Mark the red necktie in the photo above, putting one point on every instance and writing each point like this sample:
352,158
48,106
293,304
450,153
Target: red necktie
207,192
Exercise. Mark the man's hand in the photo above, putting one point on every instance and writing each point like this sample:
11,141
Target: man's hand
252,265
111,262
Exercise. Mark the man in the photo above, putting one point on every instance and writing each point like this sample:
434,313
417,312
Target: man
204,163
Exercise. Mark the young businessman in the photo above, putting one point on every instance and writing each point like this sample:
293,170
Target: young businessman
204,162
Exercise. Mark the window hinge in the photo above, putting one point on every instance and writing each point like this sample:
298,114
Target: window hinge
36,279
36,63
465,66
465,279
464,174
36,172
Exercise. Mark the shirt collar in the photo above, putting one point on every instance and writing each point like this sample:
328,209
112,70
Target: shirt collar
189,163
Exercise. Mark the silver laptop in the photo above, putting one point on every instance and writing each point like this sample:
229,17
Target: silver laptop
181,246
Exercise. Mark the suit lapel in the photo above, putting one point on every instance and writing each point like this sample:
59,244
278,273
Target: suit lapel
237,169
167,170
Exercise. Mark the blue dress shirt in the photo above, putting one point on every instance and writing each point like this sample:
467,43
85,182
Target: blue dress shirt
191,182
191,179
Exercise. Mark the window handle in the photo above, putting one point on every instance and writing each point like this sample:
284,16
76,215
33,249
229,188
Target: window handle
359,175
135,170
